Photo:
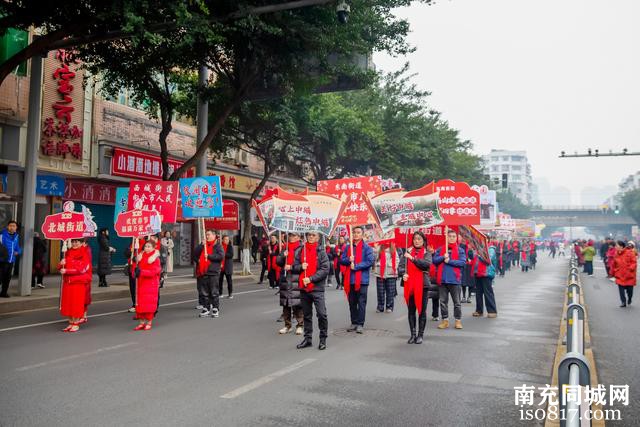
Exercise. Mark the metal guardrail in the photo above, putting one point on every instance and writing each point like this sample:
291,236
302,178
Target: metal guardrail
573,370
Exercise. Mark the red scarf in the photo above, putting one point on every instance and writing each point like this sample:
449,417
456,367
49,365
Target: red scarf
310,256
414,285
338,256
271,260
291,252
224,258
454,255
347,273
383,260
203,262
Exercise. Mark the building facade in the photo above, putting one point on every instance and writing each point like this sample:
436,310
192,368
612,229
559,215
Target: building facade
514,168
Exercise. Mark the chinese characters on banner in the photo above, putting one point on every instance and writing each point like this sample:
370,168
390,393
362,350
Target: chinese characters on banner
90,192
435,236
138,223
230,219
525,228
134,164
356,192
160,196
69,224
201,197
122,202
61,138
399,209
459,204
316,213
475,239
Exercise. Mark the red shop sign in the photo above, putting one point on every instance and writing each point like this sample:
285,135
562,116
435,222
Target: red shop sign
230,219
90,192
134,164
459,203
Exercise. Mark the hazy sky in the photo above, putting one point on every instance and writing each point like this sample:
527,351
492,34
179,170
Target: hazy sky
541,76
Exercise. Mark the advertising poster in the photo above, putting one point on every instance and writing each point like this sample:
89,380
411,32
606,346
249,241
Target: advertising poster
356,192
160,196
69,224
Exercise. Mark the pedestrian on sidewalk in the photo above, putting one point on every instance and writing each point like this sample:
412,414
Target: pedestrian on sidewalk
358,260
484,272
385,271
311,264
264,257
104,257
414,268
147,272
226,269
588,252
450,261
168,244
625,267
39,261
338,268
75,268
209,266
255,247
130,269
275,246
289,287
9,251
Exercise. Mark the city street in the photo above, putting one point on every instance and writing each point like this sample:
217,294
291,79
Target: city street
236,370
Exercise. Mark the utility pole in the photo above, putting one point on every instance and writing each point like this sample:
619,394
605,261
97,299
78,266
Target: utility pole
30,174
203,127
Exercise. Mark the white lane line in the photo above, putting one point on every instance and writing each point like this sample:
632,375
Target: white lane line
75,356
266,379
110,313
277,310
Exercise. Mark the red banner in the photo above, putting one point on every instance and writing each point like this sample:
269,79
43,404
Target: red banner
161,196
475,240
90,192
459,204
134,164
138,223
230,217
69,224
356,192
435,236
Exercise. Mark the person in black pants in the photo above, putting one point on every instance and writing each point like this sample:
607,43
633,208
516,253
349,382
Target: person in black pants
9,253
255,246
209,264
227,267
311,267
264,255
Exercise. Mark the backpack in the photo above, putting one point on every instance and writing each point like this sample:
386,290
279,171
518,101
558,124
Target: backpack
491,269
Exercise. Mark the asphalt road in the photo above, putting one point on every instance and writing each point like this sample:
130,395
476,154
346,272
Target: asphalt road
237,371
614,339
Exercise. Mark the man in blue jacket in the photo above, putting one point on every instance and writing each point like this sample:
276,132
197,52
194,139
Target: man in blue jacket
359,259
9,250
450,261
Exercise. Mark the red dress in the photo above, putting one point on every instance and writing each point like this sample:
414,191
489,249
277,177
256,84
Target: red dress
87,299
74,282
148,285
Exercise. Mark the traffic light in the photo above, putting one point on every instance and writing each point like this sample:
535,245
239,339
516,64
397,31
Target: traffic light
616,210
505,180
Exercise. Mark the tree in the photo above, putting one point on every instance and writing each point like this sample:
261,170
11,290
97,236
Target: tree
631,204
511,205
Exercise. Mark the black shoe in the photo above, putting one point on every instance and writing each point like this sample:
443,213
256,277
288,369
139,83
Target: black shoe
4,295
352,328
323,345
629,302
412,339
418,339
305,343
623,305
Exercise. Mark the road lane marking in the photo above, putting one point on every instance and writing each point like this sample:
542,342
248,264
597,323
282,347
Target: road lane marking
266,379
273,311
75,356
110,313
401,318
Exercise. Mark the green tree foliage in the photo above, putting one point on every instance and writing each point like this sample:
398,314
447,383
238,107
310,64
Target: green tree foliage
631,204
511,205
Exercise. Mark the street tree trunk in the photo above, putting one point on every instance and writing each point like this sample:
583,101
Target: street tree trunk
246,234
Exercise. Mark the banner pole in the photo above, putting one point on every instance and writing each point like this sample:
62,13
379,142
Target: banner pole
406,246
64,251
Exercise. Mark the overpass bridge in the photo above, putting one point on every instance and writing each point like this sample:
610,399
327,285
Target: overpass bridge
580,216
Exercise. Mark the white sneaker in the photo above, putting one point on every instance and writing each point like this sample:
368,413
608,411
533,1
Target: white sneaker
215,313
40,286
299,330
205,313
199,307
230,296
132,310
284,330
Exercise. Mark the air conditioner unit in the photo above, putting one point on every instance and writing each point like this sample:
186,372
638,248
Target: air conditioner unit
241,159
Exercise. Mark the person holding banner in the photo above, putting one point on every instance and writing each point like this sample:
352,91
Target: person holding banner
414,268
311,265
290,298
209,256
130,253
484,272
358,259
147,273
75,269
339,269
386,273
226,270
450,261
272,266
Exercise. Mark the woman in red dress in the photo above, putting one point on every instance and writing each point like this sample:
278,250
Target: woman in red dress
75,269
148,277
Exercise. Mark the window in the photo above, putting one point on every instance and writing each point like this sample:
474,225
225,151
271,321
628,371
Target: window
495,159
505,168
516,168
11,43
505,158
494,168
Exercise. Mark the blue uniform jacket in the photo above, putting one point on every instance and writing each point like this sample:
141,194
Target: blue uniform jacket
365,264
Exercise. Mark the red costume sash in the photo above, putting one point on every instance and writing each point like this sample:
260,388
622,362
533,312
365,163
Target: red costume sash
224,258
413,286
383,260
347,273
310,256
454,255
203,262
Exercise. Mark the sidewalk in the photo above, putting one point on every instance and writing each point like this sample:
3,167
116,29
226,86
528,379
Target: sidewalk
181,279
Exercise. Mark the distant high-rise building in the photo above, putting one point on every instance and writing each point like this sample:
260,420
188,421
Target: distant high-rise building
510,169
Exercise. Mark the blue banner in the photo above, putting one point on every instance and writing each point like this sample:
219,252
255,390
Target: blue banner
122,200
50,185
201,197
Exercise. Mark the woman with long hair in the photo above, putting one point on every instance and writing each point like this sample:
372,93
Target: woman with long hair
414,268
147,272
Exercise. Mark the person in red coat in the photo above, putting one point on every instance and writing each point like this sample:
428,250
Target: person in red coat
625,267
75,268
87,297
147,272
